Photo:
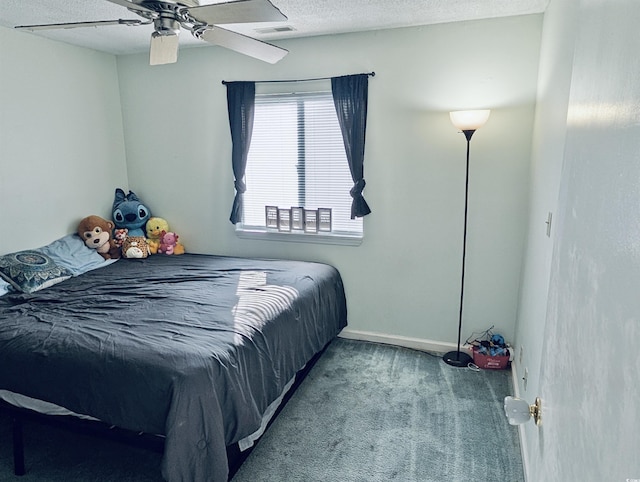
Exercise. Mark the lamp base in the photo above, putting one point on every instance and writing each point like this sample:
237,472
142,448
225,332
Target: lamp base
457,359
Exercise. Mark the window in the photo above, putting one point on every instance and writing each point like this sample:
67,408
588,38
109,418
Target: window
297,159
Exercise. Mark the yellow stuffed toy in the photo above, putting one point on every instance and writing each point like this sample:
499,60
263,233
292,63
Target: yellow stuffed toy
155,227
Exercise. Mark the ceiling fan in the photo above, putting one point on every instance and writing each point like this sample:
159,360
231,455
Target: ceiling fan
203,21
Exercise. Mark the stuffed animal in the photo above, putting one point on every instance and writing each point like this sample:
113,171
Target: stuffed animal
168,242
135,247
129,212
96,234
178,248
119,235
155,227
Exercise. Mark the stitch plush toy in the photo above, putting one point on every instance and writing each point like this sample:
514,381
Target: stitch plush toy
130,213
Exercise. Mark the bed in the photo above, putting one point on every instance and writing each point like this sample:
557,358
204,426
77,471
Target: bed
196,349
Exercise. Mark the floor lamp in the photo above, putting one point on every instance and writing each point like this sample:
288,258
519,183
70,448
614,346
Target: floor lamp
468,121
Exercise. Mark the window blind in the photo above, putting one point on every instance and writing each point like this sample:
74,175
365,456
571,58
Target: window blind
297,158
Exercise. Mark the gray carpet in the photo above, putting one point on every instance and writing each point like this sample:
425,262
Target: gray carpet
370,412
366,412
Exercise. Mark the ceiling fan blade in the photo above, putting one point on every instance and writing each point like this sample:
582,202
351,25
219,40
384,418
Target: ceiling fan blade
239,11
164,49
132,6
243,44
99,23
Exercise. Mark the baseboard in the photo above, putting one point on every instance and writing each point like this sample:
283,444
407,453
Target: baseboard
421,344
521,428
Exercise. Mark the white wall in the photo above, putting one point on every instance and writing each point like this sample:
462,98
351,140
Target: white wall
587,374
404,279
61,139
554,81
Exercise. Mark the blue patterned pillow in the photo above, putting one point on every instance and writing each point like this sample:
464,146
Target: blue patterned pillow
31,270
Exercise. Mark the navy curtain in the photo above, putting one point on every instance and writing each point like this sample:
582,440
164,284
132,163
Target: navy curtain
241,97
350,94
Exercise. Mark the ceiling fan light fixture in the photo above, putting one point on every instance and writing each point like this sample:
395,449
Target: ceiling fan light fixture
164,48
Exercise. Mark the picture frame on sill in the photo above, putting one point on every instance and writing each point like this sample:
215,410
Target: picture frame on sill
271,216
310,221
324,219
284,220
297,218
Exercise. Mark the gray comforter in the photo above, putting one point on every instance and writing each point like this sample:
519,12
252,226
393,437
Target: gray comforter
191,347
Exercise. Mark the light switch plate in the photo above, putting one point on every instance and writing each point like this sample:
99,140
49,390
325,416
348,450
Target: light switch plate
548,223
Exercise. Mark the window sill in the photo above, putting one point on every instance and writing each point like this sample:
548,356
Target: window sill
263,234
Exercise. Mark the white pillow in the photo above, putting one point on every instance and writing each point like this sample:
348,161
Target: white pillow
4,287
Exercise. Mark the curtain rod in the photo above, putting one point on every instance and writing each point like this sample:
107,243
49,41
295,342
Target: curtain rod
225,82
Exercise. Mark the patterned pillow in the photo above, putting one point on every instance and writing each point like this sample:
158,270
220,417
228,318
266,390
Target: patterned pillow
31,270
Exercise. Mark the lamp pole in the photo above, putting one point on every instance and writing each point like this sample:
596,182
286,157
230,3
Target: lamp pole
468,122
458,358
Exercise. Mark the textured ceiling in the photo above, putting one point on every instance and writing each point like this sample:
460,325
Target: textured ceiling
305,17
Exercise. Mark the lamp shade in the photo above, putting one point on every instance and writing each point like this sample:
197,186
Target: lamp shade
469,120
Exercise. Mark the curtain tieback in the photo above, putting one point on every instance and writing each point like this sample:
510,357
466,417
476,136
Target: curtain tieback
358,187
240,186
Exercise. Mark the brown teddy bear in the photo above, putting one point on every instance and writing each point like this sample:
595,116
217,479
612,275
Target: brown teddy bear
96,234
